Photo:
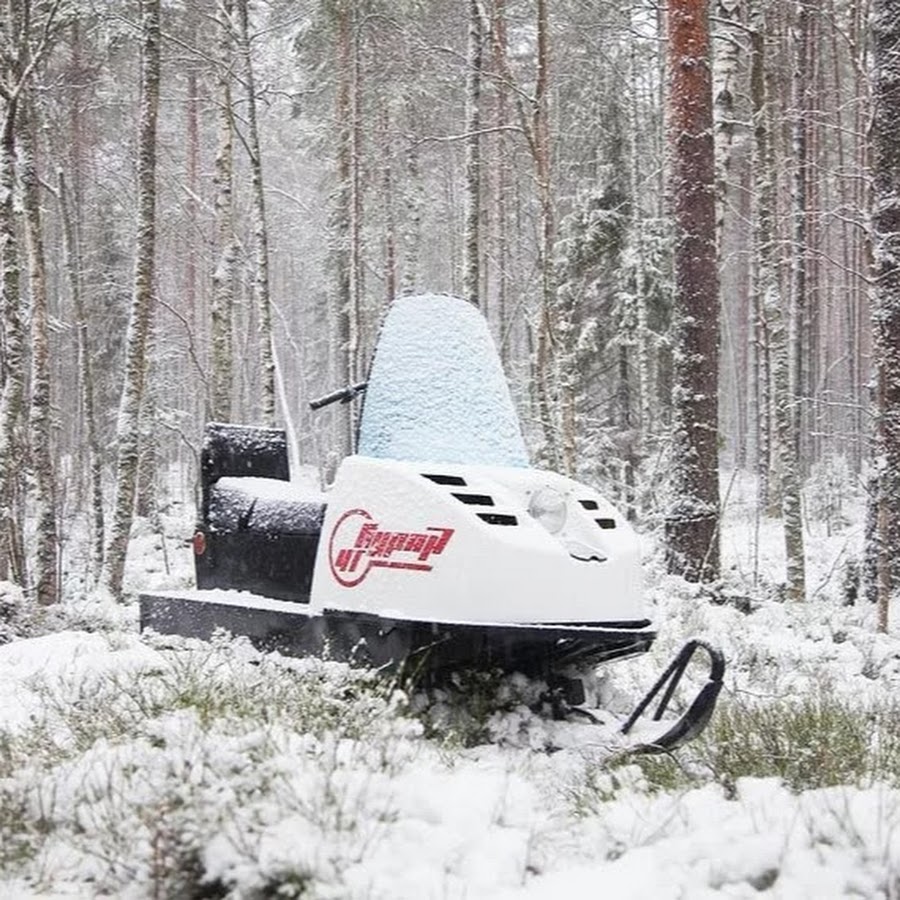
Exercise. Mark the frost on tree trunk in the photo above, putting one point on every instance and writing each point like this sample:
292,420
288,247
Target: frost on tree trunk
800,294
223,277
260,227
412,232
46,558
769,303
886,301
128,424
12,396
726,56
764,277
472,248
558,456
692,535
342,224
73,267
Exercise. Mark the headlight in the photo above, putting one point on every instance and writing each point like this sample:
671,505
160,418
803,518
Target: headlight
548,506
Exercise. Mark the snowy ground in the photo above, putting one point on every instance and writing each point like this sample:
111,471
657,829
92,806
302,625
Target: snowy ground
148,768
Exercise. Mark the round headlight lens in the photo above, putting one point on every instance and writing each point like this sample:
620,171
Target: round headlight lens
548,506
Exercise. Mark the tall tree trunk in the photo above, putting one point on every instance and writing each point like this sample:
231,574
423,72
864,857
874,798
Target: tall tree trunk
775,324
73,268
260,224
12,396
798,344
560,443
763,276
472,240
390,224
223,276
128,425
46,559
503,180
692,522
343,224
726,58
412,231
886,306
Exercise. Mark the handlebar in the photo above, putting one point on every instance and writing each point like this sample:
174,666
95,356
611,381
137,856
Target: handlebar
344,395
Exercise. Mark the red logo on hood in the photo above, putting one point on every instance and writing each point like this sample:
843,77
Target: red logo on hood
358,544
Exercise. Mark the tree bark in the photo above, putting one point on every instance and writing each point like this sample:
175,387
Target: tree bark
886,305
46,573
128,425
223,276
73,267
472,239
692,527
343,225
12,396
260,224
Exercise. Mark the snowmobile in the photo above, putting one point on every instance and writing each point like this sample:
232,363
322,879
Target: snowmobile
437,547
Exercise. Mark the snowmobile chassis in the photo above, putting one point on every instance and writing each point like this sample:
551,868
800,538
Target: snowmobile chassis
437,548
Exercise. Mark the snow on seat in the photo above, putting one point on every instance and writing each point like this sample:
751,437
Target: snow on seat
268,505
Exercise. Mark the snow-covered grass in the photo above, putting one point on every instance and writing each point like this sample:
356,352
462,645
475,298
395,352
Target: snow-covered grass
138,768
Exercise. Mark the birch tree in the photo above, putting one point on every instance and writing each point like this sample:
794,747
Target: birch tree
260,223
692,526
223,277
46,562
25,38
773,323
128,424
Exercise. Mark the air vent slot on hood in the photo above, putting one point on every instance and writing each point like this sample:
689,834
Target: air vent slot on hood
606,523
498,519
453,480
590,504
475,499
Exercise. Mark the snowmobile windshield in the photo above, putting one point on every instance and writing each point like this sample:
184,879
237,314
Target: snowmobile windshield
437,391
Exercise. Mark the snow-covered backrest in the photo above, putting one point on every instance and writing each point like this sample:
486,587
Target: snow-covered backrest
437,391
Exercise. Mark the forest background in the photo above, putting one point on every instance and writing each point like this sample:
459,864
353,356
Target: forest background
206,207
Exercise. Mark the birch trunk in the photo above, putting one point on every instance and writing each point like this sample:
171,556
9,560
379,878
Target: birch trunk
128,424
46,558
764,279
260,226
725,72
223,277
12,397
775,326
799,327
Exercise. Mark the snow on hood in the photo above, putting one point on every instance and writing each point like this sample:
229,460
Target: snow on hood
437,391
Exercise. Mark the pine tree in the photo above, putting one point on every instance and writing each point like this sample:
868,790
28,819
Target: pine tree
886,312
692,525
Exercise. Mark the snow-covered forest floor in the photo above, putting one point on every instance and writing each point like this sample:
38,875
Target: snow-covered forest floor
146,767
